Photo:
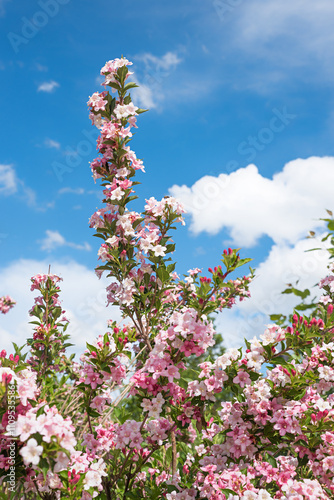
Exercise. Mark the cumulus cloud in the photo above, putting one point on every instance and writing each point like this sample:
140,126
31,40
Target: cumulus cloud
284,265
48,86
55,240
83,297
248,205
8,180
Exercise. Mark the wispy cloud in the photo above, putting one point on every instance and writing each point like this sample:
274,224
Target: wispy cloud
166,62
10,184
55,240
2,7
280,40
41,67
68,190
48,86
50,143
79,191
8,180
151,74
144,96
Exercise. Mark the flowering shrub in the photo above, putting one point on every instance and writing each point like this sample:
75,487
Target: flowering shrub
136,417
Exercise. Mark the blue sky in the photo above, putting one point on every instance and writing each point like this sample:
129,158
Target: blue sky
240,127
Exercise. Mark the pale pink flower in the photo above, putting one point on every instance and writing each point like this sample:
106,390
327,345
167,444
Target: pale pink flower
31,452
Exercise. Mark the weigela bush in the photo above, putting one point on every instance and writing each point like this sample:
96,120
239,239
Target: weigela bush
137,417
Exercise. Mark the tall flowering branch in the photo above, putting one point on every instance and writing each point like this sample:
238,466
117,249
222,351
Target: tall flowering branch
48,344
136,252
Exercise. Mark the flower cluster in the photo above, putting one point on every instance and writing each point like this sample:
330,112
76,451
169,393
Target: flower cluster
6,303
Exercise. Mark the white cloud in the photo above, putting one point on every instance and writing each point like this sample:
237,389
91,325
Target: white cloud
144,97
83,297
8,180
294,35
152,76
69,190
54,240
48,86
168,61
10,184
50,143
249,205
283,265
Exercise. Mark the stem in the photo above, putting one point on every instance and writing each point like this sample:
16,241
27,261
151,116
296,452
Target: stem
174,450
127,482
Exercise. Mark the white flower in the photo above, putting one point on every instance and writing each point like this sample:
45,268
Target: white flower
31,452
249,495
326,372
112,241
264,495
123,111
116,194
92,479
146,404
62,461
322,405
159,250
25,426
268,336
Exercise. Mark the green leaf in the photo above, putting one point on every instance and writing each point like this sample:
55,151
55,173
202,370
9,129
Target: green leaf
114,85
241,262
90,347
91,412
130,85
303,307
163,274
98,235
227,492
122,72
